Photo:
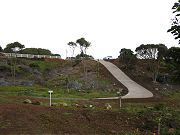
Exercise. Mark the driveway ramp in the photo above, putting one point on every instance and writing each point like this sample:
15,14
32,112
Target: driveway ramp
134,90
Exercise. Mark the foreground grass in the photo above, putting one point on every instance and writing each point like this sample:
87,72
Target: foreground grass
38,91
148,114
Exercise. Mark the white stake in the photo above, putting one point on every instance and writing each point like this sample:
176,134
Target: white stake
50,92
120,101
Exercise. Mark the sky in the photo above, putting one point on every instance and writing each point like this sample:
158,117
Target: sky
109,25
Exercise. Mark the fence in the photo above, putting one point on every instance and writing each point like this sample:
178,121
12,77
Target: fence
30,56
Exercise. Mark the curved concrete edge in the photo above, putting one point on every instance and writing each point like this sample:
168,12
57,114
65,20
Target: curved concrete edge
108,98
134,90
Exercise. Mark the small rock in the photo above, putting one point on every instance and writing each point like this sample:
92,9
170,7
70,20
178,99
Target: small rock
113,132
77,105
150,107
171,131
156,89
54,104
64,104
27,101
85,106
108,106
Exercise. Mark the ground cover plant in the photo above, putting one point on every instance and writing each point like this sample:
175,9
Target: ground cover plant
68,116
25,107
38,91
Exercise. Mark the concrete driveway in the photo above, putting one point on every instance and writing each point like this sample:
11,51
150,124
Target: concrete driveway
134,90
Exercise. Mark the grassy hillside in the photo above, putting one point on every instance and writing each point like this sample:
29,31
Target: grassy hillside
25,105
71,79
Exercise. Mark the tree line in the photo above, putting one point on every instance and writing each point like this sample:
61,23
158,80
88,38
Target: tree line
155,54
83,45
17,47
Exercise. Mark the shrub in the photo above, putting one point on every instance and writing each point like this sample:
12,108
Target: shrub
4,68
34,65
159,107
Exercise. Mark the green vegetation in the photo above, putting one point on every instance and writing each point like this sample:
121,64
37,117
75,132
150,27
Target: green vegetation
153,114
73,46
153,52
1,50
175,96
36,51
43,65
175,26
38,91
163,63
83,45
127,57
13,47
17,47
148,115
172,60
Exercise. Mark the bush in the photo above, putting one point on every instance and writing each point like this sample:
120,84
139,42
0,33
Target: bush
159,107
34,65
36,51
4,68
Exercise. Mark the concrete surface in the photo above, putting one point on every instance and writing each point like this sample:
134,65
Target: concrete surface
134,90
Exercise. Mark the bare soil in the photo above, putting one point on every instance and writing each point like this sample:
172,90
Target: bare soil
31,119
19,118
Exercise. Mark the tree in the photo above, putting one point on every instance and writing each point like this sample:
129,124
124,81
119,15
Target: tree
56,55
72,45
173,61
175,26
44,51
126,53
127,57
83,44
148,51
1,50
173,55
79,56
13,47
162,50
151,51
30,51
155,53
36,51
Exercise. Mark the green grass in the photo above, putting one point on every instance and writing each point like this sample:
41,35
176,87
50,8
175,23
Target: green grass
22,88
43,65
82,94
175,96
104,82
38,91
136,108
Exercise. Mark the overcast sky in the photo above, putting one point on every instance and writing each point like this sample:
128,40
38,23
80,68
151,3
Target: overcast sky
108,24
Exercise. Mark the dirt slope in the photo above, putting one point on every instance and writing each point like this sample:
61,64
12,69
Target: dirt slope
29,119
